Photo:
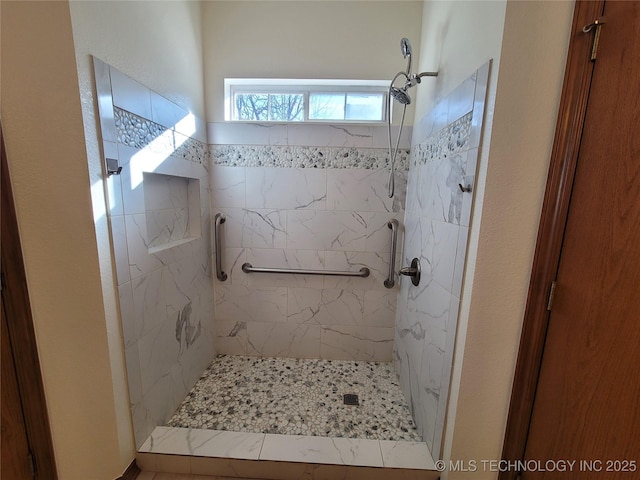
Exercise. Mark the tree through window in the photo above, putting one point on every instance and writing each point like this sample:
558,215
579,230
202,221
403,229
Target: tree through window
270,100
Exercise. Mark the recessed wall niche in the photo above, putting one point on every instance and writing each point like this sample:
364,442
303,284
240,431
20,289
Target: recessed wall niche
172,210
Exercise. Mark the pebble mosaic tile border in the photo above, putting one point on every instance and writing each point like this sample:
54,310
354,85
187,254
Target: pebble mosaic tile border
298,397
137,132
452,139
305,157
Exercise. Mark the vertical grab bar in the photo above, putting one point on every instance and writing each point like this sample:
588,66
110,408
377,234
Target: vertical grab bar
219,219
390,281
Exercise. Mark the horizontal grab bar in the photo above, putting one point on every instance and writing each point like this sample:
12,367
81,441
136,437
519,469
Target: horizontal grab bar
248,268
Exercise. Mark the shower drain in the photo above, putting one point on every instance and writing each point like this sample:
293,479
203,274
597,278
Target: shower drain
351,399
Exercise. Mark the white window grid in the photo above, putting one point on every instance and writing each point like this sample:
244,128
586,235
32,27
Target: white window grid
304,87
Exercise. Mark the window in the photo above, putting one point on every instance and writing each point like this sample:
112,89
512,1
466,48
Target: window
289,100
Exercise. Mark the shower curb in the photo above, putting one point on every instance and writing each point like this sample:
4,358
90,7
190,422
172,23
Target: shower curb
282,457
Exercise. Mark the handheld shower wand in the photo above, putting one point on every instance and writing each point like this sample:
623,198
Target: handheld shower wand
401,94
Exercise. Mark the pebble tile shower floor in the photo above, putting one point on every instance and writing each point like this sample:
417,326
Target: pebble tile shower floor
298,397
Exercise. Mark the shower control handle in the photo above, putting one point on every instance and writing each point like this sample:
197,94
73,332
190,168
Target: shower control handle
413,271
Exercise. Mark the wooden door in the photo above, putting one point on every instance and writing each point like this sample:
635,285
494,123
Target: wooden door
587,404
27,448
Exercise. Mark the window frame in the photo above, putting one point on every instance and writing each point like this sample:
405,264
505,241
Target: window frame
305,87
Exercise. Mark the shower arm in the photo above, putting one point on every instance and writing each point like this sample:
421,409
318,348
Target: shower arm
418,76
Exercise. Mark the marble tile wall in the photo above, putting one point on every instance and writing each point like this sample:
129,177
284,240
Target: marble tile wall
444,154
159,214
171,203
214,451
314,199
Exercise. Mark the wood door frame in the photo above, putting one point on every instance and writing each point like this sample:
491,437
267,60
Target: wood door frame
19,319
553,219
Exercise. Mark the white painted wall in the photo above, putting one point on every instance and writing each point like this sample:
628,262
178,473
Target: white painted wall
47,109
304,39
527,41
42,119
159,44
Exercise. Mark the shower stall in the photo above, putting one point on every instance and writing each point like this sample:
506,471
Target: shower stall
259,287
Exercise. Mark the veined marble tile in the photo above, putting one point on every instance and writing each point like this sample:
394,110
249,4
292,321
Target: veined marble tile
472,158
143,424
231,337
429,394
461,99
340,451
479,101
228,186
134,381
412,200
164,192
113,183
129,94
105,100
378,264
167,113
444,154
240,303
283,340
401,179
379,233
406,455
371,344
230,133
209,443
461,255
264,228
148,302
380,308
409,342
358,190
182,282
447,362
131,183
326,230
381,136
325,307
330,135
167,226
232,260
158,351
119,239
157,399
212,443
130,326
439,246
140,261
231,229
431,307
286,188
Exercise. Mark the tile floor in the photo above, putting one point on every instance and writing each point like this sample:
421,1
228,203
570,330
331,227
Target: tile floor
298,397
181,476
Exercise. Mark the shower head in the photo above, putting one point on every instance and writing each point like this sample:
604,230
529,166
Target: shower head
401,95
405,47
